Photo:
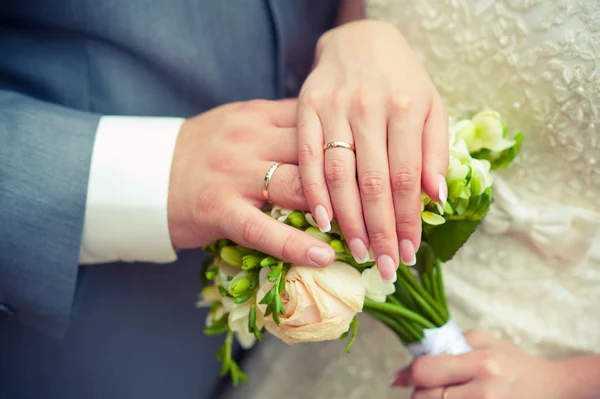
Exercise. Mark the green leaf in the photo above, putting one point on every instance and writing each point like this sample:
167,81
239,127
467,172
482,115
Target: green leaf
223,291
244,297
448,238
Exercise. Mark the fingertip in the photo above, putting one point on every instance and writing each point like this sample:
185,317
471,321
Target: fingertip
320,256
408,253
322,218
442,189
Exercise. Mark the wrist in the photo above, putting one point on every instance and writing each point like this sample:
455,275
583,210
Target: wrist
577,378
176,207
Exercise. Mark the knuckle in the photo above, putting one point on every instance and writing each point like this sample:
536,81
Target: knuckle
490,365
365,103
372,184
312,98
313,189
294,184
404,180
289,246
307,154
380,238
336,172
408,223
400,104
254,232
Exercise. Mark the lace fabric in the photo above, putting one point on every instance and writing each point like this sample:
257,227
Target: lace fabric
537,63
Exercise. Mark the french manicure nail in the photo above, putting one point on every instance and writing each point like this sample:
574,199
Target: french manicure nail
392,280
443,190
320,256
407,253
359,250
322,219
400,379
386,267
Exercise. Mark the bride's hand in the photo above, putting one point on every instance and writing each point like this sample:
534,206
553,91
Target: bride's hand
369,89
495,369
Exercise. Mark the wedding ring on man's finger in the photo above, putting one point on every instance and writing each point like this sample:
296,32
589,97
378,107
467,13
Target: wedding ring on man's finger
339,144
267,180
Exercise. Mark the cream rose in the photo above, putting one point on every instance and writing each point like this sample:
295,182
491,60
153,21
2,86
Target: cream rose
319,303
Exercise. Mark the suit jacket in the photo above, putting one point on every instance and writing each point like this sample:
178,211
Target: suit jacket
119,330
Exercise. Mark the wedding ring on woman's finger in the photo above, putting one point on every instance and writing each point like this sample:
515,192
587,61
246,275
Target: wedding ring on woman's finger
339,144
267,180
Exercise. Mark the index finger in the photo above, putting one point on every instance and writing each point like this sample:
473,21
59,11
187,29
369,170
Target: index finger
252,228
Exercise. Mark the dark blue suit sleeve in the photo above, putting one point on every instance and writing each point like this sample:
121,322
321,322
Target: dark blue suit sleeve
45,155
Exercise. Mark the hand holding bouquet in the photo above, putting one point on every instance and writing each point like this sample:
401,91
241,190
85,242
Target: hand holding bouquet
252,291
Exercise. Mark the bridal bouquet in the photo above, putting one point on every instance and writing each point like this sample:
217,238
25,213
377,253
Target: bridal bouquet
248,291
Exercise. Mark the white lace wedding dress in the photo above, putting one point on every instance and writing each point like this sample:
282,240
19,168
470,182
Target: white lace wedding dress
532,273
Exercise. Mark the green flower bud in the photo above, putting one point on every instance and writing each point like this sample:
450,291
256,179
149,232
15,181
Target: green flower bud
315,232
250,262
242,283
337,246
456,188
211,273
484,206
232,255
461,206
297,220
268,261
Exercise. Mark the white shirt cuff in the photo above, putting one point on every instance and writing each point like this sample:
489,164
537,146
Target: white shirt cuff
126,208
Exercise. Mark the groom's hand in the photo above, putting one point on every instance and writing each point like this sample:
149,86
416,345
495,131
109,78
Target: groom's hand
217,176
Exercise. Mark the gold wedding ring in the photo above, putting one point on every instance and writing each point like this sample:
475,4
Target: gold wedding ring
445,393
339,144
268,177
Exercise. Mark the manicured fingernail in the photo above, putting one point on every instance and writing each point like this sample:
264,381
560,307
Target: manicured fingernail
322,218
400,379
407,253
443,190
386,267
359,250
319,256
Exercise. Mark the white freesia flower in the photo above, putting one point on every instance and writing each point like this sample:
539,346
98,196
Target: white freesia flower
482,176
208,296
376,288
310,219
238,323
226,274
461,130
319,303
489,133
280,213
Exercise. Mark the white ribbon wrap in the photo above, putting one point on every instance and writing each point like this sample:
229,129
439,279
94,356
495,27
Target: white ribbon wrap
445,340
555,230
